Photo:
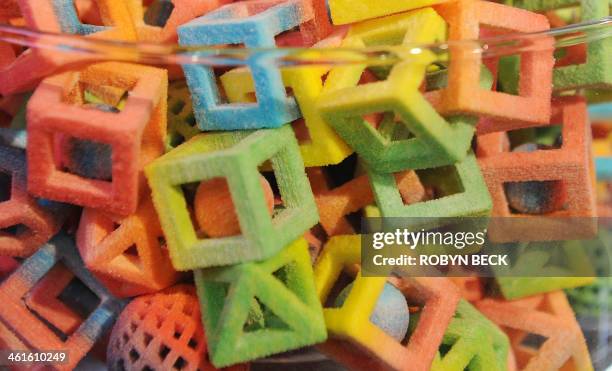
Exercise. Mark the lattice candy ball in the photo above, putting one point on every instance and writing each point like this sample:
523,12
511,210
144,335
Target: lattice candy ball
161,331
391,313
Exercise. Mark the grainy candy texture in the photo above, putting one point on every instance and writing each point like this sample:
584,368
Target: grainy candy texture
195,184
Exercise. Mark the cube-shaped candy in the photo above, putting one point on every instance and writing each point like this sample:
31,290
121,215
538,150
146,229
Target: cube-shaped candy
556,339
135,135
468,20
280,289
463,192
433,142
349,325
162,18
62,16
428,139
24,223
127,254
596,70
321,146
472,342
571,164
36,333
47,298
335,204
255,24
236,157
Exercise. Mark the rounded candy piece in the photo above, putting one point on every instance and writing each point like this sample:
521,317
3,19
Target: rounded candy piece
214,208
391,313
534,197
162,331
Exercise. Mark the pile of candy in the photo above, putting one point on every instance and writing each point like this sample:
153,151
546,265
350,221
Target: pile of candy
117,180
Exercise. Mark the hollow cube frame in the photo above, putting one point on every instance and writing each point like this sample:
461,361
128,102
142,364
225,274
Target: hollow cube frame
597,71
23,209
436,142
43,300
33,65
136,134
324,147
344,103
183,11
61,16
113,13
572,163
236,157
474,341
103,248
473,200
227,295
33,333
463,95
254,24
548,315
349,326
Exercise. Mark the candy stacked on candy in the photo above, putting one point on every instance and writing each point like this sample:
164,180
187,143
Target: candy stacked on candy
121,181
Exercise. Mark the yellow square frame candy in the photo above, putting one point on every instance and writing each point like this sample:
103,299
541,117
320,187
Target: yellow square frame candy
351,321
351,11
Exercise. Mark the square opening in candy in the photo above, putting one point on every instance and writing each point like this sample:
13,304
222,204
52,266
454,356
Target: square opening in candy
290,39
5,186
79,298
508,74
16,230
389,127
436,76
533,341
60,286
341,288
536,197
540,138
341,173
158,13
88,12
104,98
84,158
412,189
440,182
272,192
